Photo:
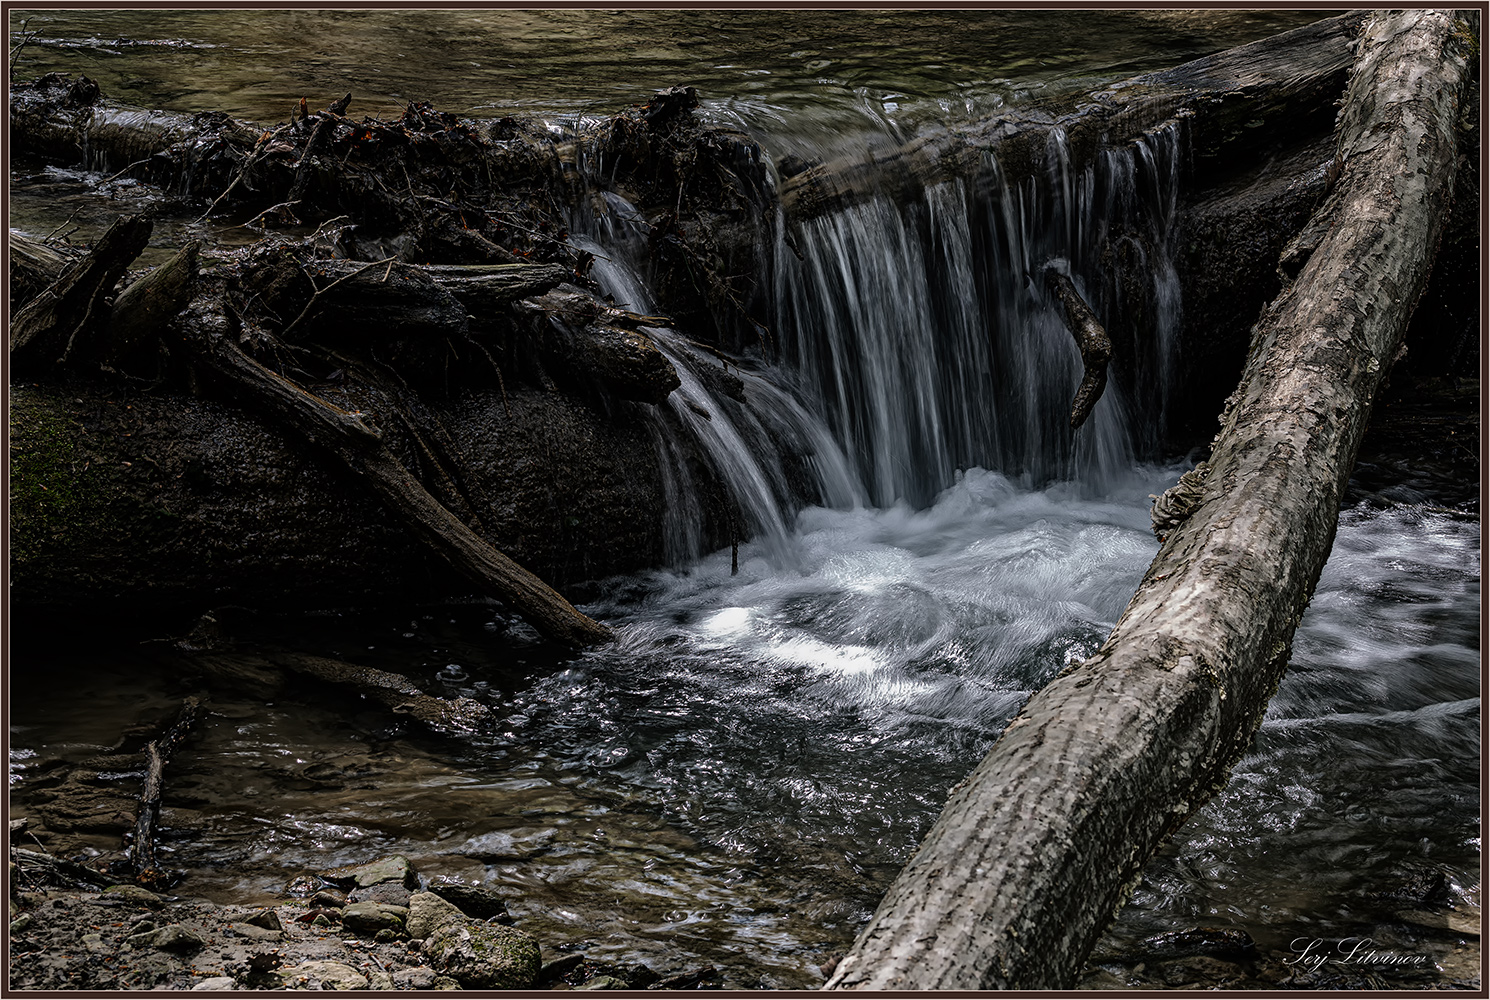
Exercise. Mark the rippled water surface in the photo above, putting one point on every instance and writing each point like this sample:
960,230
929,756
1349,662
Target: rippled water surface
738,779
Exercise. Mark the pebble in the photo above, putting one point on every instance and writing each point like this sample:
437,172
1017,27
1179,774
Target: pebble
20,923
216,983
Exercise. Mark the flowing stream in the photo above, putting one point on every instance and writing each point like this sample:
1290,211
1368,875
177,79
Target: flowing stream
736,781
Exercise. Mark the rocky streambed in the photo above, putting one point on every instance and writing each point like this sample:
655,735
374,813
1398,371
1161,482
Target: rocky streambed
376,926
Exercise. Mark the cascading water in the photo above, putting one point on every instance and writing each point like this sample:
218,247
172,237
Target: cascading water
750,443
926,329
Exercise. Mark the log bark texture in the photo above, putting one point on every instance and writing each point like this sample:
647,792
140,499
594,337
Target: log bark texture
1038,848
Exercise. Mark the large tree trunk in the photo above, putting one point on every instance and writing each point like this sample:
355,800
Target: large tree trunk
1037,849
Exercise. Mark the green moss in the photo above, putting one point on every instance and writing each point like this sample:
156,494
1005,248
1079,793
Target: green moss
53,491
64,502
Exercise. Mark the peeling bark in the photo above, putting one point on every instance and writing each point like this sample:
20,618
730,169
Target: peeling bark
1035,852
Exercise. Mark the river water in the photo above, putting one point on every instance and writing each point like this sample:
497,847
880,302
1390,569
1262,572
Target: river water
737,780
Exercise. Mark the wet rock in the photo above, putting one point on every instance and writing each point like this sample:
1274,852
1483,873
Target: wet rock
603,983
387,934
379,981
369,918
445,983
177,939
388,893
267,919
94,942
303,885
560,967
421,977
484,956
19,924
1454,921
329,897
1216,942
394,868
427,912
135,894
216,983
329,976
506,845
473,900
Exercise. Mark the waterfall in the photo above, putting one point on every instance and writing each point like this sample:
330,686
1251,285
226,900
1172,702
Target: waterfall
933,346
919,341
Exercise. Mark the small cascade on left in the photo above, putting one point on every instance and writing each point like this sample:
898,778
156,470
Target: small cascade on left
743,420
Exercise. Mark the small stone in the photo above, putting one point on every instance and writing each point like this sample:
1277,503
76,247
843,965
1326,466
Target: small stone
420,977
394,868
427,912
445,983
333,898
19,924
386,934
369,918
379,981
267,919
320,920
94,942
330,975
135,894
216,983
603,983
177,939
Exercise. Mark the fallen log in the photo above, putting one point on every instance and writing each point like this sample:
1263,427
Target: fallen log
356,443
148,871
132,338
1035,851
1091,340
44,331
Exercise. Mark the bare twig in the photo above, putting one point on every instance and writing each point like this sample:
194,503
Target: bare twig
386,260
